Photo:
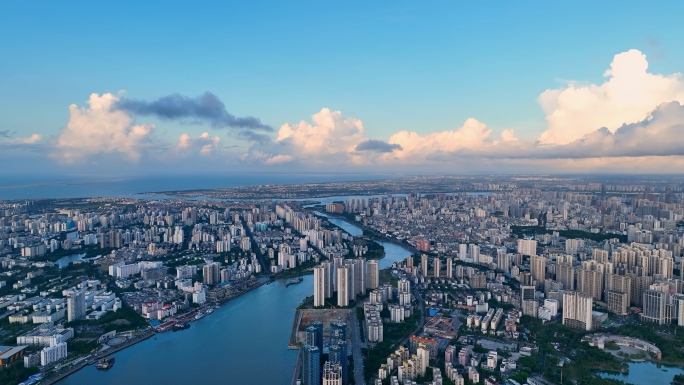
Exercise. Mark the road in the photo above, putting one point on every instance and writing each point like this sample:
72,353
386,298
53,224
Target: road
356,345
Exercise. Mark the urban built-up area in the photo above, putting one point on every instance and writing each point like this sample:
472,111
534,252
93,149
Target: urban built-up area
511,280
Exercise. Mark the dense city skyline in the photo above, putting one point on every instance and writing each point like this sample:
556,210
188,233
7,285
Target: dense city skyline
403,87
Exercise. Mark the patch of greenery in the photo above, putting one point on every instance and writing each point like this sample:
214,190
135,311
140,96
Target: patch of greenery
522,231
121,320
81,348
16,373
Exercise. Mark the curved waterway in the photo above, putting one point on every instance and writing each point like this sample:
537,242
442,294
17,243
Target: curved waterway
243,342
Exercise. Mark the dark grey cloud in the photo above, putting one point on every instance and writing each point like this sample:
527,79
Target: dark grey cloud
207,107
377,146
7,133
253,136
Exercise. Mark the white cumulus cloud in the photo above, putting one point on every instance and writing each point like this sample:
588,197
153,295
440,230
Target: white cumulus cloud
100,129
204,144
628,96
473,134
328,133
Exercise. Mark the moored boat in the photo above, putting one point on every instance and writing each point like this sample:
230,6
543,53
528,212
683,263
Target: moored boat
105,363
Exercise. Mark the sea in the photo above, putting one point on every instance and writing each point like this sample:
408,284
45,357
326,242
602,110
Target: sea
89,186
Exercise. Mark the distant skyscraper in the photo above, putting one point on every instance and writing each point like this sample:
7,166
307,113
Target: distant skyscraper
538,268
590,282
343,286
437,267
474,252
462,251
527,247
338,354
618,283
76,306
373,270
337,263
319,286
329,274
311,365
360,276
351,282
565,274
314,335
503,261
449,268
424,264
655,306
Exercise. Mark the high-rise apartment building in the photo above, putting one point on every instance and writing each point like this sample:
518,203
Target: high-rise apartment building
343,286
211,273
527,247
617,301
538,268
565,274
319,286
590,282
76,305
577,308
658,304
328,274
527,292
449,268
373,274
618,283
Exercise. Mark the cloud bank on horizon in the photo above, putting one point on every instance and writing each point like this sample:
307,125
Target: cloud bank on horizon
632,121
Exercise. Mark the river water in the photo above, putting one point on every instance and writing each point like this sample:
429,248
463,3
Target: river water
646,373
243,342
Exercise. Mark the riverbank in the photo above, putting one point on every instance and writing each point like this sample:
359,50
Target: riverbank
152,331
372,234
88,361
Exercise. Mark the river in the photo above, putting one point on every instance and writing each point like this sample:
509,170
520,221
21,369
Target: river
243,342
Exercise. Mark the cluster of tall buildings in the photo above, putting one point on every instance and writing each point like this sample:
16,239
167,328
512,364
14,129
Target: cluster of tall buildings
335,371
345,278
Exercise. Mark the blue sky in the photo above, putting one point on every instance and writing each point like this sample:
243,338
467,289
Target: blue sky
415,66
